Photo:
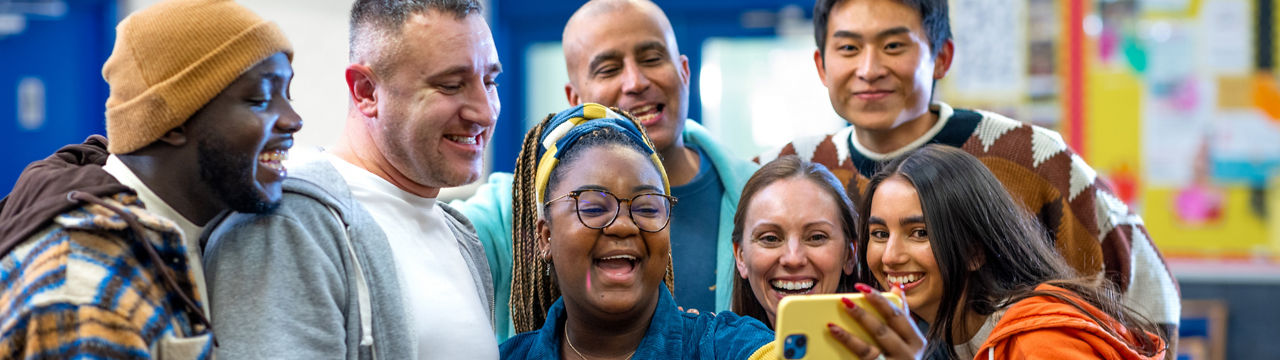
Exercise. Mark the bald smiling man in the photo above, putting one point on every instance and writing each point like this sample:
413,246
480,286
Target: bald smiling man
623,53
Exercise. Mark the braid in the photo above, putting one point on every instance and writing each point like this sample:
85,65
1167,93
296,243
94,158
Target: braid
532,292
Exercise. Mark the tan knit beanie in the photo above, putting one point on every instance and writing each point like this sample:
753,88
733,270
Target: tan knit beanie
170,59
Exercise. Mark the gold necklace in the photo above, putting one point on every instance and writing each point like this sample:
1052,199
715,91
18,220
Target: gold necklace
575,349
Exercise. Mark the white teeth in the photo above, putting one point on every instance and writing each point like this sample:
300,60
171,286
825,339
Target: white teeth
623,257
469,140
905,279
644,109
274,159
645,113
792,285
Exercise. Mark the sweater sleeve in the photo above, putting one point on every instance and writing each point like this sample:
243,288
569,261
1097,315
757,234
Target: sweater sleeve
1129,256
489,210
277,286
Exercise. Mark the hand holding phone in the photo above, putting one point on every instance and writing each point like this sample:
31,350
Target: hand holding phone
868,325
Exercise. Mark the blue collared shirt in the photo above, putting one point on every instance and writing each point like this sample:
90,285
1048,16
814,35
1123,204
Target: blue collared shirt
672,334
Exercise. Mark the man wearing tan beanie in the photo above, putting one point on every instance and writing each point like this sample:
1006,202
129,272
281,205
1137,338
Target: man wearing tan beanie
99,243
360,261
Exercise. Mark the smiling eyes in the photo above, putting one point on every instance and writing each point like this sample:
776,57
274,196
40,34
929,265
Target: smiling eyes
771,239
612,68
881,235
892,48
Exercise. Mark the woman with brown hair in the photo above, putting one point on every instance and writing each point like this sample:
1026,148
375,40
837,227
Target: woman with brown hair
793,235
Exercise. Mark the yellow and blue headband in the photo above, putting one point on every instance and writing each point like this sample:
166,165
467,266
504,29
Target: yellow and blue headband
564,130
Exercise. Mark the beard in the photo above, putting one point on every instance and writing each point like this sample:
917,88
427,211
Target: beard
224,171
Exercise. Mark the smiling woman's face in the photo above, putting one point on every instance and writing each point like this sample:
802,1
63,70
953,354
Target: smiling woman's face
793,243
614,272
899,251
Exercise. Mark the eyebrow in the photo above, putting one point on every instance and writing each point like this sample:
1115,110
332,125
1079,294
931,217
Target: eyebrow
914,219
883,34
651,45
602,57
464,69
636,189
640,188
819,222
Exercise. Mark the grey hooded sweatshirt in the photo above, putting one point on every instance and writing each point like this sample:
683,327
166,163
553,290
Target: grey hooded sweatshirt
283,285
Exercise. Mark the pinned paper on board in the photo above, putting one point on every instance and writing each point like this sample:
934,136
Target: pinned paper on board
1227,36
1235,92
993,63
1266,96
1244,147
1199,205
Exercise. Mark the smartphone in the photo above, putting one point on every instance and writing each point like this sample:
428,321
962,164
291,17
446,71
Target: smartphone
802,324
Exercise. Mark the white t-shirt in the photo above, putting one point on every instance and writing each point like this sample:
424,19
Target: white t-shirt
155,205
436,285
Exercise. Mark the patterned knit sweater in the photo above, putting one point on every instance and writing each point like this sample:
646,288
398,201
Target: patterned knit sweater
1094,230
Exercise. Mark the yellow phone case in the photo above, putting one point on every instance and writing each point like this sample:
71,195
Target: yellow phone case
802,325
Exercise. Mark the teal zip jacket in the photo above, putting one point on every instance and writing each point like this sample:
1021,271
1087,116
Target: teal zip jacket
490,211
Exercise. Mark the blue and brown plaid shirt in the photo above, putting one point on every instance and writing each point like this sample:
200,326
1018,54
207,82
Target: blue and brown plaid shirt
83,287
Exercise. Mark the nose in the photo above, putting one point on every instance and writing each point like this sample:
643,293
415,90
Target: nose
871,67
894,253
289,121
634,80
793,254
622,226
482,105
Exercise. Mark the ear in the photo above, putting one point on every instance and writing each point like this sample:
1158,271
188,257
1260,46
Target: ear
572,95
684,69
175,137
362,85
544,240
852,259
821,65
737,258
942,62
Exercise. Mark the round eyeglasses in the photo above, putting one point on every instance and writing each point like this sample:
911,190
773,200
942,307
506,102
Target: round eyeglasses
597,209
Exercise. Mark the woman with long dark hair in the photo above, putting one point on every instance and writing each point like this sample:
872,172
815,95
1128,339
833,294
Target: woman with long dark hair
976,267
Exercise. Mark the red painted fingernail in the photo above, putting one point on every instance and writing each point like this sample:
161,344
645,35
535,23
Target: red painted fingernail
831,326
848,303
902,287
864,288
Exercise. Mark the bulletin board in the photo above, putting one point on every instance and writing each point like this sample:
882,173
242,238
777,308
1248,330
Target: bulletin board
1176,104
1201,150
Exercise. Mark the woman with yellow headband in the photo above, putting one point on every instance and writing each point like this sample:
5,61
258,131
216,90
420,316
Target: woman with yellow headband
592,251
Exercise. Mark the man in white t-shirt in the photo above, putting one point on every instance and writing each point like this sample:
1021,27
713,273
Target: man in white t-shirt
360,259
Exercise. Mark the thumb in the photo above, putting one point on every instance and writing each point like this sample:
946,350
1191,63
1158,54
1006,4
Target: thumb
896,289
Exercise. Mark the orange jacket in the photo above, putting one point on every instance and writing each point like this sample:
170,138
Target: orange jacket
1044,327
